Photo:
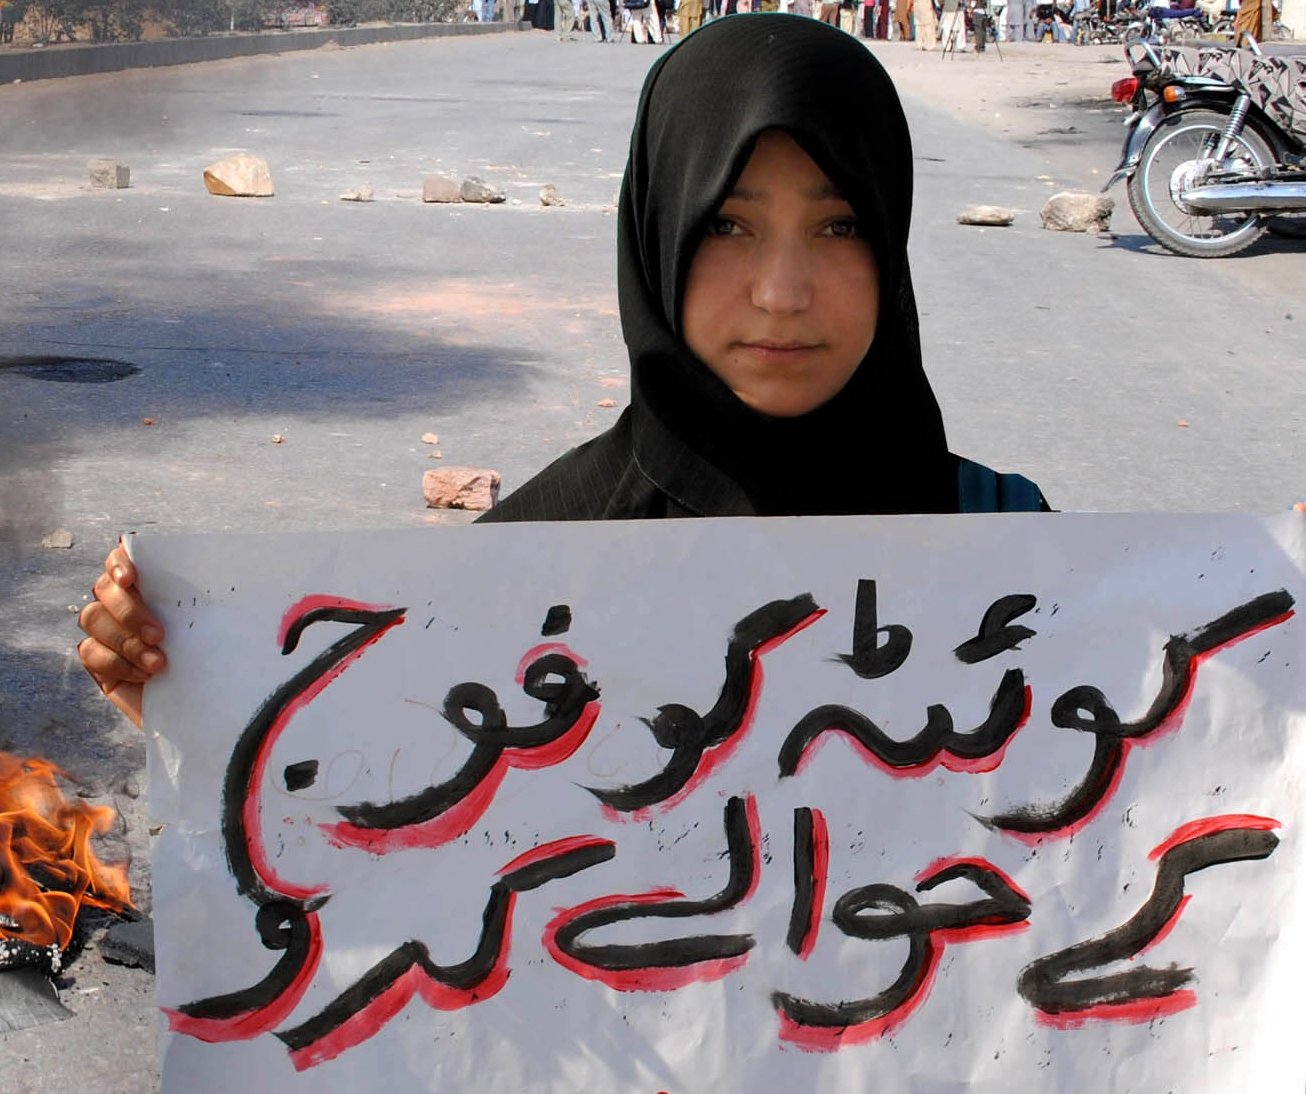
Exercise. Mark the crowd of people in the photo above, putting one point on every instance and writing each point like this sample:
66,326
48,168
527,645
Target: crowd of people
928,23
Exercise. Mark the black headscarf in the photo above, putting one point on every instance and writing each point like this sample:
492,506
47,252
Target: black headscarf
876,447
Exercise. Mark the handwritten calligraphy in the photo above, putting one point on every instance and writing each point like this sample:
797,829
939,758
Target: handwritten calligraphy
603,939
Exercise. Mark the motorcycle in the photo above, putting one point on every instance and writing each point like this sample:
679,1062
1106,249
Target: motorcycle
1215,153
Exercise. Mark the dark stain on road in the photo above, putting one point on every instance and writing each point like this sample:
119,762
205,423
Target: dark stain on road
70,370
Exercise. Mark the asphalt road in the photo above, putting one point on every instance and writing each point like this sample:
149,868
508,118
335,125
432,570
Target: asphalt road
1119,377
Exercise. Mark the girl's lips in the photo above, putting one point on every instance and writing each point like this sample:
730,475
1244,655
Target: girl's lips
778,351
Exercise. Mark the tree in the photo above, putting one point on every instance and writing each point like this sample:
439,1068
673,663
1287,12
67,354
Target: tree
191,18
53,20
110,20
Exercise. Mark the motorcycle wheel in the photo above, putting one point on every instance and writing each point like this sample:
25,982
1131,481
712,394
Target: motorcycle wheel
1172,159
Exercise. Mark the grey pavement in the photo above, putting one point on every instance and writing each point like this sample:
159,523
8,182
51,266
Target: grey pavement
351,329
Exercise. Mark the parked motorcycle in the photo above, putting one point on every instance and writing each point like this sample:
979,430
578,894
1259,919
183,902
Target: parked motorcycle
1215,152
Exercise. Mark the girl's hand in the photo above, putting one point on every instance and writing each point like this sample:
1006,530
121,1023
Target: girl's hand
122,649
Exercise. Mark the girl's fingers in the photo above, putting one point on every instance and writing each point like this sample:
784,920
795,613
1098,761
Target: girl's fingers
120,568
128,609
108,667
128,645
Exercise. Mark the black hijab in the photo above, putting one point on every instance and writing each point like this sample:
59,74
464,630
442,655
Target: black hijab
879,445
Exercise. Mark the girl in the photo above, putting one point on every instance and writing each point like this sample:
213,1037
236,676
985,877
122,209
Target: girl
767,306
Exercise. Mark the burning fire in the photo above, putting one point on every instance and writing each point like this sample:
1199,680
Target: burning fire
47,867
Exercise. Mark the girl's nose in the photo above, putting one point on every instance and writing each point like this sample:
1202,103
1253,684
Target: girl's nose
782,277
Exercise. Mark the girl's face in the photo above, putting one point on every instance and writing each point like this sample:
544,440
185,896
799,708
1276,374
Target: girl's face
783,294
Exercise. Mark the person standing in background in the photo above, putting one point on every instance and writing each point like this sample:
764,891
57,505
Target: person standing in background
927,24
1016,20
601,21
902,10
829,12
642,18
564,18
689,16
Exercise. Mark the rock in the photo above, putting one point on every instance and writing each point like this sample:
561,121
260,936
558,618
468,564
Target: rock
59,540
430,438
549,195
240,176
441,188
994,216
480,191
27,998
130,944
461,488
606,404
278,438
109,175
361,193
1077,211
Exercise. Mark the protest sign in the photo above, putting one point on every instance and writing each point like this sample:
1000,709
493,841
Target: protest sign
907,803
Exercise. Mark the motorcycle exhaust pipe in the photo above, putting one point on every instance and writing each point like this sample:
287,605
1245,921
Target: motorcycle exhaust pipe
1248,197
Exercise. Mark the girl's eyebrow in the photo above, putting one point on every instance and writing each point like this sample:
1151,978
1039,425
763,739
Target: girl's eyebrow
824,192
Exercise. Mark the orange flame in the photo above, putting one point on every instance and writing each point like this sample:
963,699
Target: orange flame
47,867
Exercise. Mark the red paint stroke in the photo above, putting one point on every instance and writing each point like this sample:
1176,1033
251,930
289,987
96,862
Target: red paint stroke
367,1021
833,1038
1166,927
1169,724
318,601
755,847
244,1027
455,822
958,765
935,868
1034,839
542,650
1195,829
554,849
717,755
251,808
660,978
1136,1011
820,877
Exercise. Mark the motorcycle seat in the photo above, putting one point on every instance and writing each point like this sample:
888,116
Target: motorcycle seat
1276,81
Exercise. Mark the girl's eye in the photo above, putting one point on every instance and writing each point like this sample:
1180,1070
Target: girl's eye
844,228
722,226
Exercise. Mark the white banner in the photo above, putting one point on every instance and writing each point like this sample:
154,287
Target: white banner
910,803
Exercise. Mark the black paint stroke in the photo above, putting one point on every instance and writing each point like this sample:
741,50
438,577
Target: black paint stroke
282,925
1006,713
996,633
564,702
896,913
1088,710
800,917
300,776
689,735
673,952
1044,983
557,620
463,977
869,659
237,784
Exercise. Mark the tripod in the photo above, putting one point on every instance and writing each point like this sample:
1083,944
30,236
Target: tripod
979,22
